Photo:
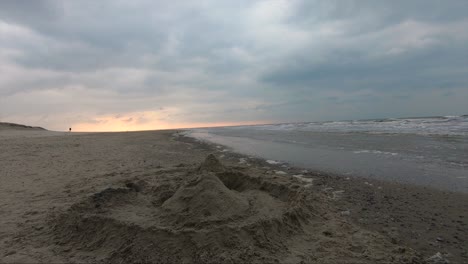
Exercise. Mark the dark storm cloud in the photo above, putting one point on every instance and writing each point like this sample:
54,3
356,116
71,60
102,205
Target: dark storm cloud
369,63
370,15
100,34
28,12
423,69
233,60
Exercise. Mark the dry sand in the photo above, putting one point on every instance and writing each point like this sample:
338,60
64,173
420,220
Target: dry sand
158,197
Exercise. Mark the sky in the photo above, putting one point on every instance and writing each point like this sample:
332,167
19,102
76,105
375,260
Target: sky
114,65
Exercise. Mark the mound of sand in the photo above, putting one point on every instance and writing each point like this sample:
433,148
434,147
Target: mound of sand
211,164
215,215
205,199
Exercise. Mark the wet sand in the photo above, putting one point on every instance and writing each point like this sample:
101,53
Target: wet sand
156,197
435,161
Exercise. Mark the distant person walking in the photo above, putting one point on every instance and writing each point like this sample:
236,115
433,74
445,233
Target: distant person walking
69,130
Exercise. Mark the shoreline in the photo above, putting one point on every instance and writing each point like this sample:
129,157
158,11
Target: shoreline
46,179
423,218
382,157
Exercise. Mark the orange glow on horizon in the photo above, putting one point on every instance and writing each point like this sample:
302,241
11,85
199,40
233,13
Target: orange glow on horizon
145,121
83,127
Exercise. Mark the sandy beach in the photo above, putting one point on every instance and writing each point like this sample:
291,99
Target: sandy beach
157,196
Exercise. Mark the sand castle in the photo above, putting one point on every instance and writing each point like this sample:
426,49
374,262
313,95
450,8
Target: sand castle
214,215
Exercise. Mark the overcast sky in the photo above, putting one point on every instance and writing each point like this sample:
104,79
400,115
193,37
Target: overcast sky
127,65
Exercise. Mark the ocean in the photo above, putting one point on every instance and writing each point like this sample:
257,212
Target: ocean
427,151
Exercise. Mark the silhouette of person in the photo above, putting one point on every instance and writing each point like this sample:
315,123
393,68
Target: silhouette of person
69,130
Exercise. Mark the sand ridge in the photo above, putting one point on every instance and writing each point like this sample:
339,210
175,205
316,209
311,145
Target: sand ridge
16,127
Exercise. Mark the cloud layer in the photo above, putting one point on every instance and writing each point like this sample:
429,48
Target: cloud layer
125,65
